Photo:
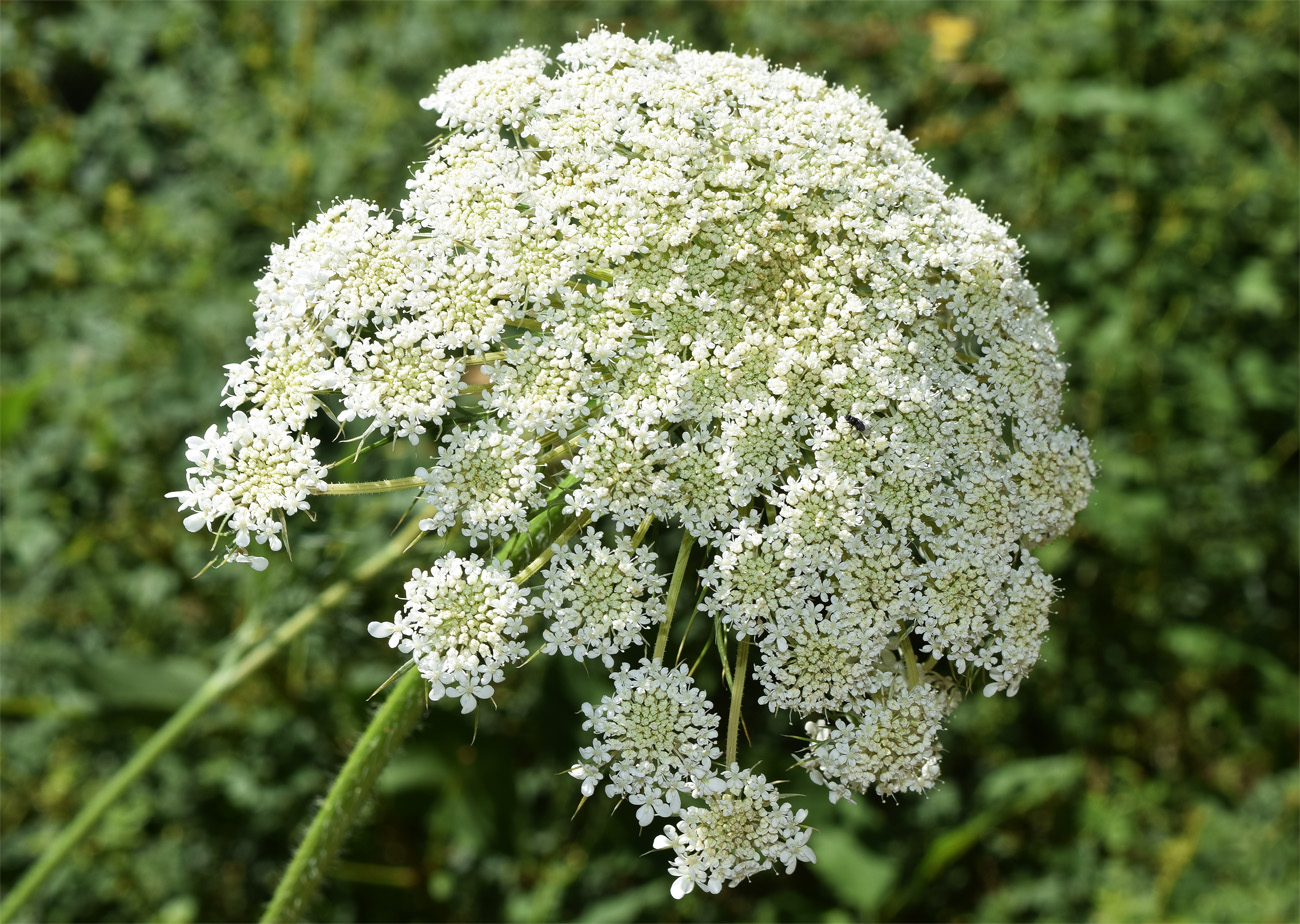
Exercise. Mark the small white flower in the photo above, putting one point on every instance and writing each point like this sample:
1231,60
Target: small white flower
741,829
598,599
461,623
652,736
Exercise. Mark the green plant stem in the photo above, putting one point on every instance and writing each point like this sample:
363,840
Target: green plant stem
674,590
343,804
225,678
385,486
737,697
909,663
639,536
560,541
559,452
537,526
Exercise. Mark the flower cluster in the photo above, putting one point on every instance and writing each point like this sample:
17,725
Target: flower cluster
597,599
891,745
653,737
665,292
738,831
461,624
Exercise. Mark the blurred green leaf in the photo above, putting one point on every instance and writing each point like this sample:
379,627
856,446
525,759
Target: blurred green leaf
858,877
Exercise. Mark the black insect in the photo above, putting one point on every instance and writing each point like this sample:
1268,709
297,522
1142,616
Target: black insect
856,423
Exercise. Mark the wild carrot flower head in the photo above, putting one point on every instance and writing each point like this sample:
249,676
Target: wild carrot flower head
708,296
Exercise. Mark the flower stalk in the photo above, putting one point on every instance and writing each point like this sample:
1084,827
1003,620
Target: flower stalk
674,590
562,539
384,486
345,800
233,671
737,698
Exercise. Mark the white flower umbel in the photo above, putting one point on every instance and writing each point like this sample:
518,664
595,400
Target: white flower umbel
621,473
1018,628
709,298
246,479
541,386
461,624
599,600
741,829
824,657
486,478
652,736
750,581
893,745
400,379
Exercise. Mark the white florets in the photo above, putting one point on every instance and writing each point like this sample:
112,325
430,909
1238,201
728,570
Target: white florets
461,624
598,600
823,657
651,737
648,288
486,479
892,745
246,479
741,829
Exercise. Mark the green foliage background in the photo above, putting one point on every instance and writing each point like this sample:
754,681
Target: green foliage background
1146,154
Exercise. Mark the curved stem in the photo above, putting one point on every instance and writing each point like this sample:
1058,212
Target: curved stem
909,662
559,452
674,590
385,486
560,541
225,678
737,697
639,536
537,526
345,800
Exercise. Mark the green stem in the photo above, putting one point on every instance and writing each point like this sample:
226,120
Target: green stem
343,804
225,678
674,590
909,663
560,541
559,452
639,536
537,526
737,697
385,486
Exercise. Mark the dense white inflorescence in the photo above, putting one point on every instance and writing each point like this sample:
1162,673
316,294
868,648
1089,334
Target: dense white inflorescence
739,830
597,600
653,736
461,624
706,295
891,744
